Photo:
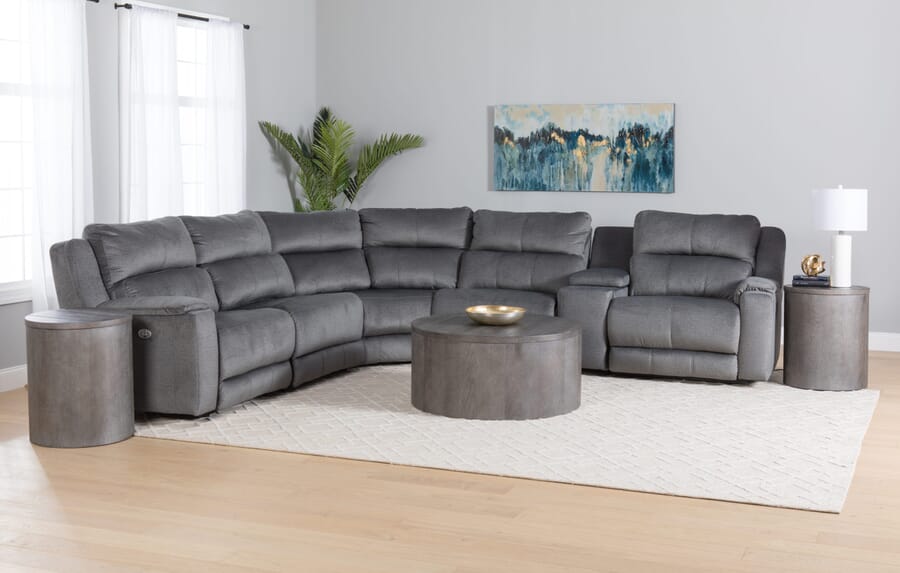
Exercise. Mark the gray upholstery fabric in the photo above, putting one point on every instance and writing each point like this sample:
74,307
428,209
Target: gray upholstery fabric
612,247
601,277
239,282
413,268
253,338
186,281
588,306
770,255
391,311
389,348
328,271
322,320
130,249
313,366
757,301
156,305
442,228
673,363
313,232
675,322
564,233
662,233
76,275
458,299
176,370
228,236
252,384
522,271
770,265
686,275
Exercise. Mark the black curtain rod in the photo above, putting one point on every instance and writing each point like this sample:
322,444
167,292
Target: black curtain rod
128,6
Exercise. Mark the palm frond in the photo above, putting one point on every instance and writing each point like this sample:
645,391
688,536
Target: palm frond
374,154
330,152
284,139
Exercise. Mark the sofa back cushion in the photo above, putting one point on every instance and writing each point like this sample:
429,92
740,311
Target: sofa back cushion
149,258
692,255
415,248
323,250
236,252
525,251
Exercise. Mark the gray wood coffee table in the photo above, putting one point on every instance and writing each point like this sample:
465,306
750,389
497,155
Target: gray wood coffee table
528,370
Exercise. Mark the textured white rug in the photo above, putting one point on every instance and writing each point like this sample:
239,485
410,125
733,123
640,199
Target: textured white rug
762,443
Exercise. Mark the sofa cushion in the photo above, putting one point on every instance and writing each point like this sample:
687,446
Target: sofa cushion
413,268
328,271
563,233
458,299
545,272
687,275
674,323
187,281
130,249
241,281
662,233
228,236
321,320
391,311
322,250
416,227
253,338
313,232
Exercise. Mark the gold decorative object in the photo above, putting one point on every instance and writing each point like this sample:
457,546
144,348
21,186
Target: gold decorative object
495,315
812,265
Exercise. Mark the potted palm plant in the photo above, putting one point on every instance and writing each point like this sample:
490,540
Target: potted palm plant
326,173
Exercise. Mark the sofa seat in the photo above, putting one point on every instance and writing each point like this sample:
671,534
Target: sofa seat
456,300
322,320
253,338
391,311
674,323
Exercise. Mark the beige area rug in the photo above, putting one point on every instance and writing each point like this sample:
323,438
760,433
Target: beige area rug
761,443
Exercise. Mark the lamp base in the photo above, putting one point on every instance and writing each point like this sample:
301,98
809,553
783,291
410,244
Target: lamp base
841,260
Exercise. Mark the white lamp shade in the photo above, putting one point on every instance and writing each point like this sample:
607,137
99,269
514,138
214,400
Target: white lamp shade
840,209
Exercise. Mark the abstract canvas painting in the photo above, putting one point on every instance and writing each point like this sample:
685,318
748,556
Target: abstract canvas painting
626,148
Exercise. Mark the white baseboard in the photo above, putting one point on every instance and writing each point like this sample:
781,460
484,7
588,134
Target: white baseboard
889,341
12,378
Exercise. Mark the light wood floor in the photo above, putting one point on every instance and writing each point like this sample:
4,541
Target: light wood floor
167,506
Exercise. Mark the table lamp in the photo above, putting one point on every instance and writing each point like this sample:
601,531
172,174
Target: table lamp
840,210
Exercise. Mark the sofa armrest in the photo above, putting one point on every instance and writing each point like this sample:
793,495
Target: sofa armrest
176,353
754,284
588,305
757,298
601,277
155,305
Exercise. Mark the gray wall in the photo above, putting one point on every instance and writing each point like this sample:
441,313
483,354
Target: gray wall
280,68
773,99
12,333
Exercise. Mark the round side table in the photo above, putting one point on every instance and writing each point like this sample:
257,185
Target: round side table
80,381
826,337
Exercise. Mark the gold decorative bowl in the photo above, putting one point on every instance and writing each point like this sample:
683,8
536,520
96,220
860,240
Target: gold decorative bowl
495,315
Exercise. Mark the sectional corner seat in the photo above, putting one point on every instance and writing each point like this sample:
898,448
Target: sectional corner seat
231,307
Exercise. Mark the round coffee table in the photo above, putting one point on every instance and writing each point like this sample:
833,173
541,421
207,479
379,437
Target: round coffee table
528,370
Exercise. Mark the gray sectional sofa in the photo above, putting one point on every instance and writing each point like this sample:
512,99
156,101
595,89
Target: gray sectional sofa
231,307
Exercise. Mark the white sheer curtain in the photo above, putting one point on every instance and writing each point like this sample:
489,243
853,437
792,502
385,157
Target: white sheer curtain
226,121
150,177
182,115
63,187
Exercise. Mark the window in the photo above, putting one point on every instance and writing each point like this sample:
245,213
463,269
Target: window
16,152
191,55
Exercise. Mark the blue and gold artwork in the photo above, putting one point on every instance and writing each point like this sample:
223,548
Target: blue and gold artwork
623,148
